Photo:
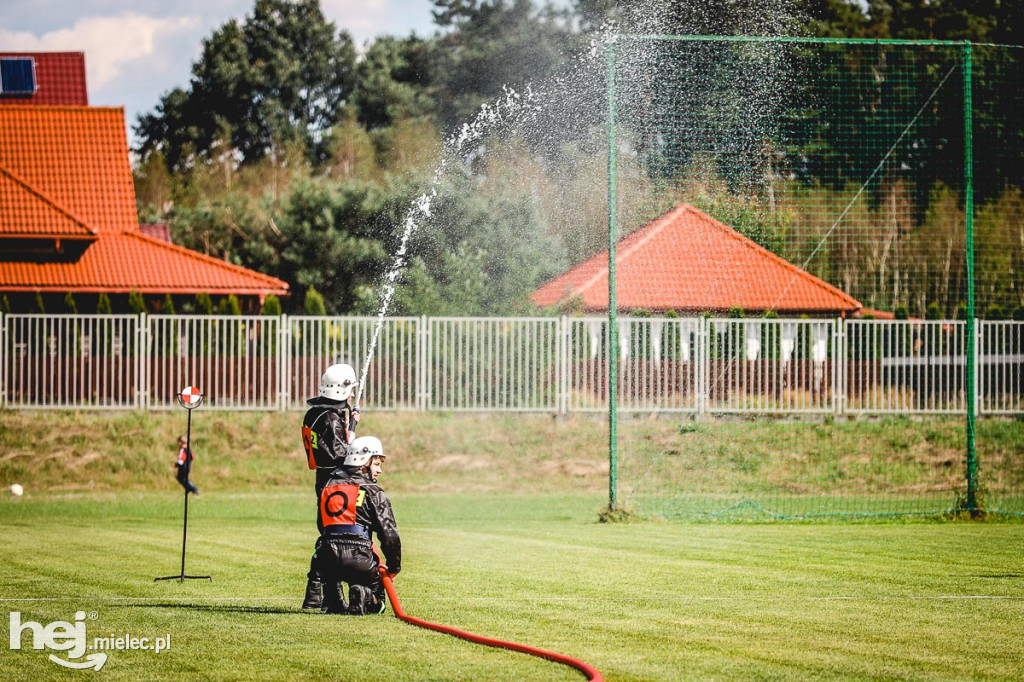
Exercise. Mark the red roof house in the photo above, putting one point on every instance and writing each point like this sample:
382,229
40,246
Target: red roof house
689,262
56,78
68,220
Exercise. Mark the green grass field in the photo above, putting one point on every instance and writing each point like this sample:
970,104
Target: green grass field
511,549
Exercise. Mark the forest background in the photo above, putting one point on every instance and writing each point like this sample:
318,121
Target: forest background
292,153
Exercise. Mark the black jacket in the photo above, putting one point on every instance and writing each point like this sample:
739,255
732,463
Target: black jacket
327,429
350,497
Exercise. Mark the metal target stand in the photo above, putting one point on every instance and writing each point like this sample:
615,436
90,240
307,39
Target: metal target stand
190,398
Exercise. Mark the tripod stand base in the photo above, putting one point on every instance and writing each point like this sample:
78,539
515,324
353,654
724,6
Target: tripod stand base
182,578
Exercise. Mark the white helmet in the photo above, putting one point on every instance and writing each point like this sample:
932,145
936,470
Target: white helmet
362,449
338,382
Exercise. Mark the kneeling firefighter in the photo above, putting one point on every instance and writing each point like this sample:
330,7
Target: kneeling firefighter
327,429
352,508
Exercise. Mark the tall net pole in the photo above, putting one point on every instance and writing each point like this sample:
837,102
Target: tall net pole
972,465
613,330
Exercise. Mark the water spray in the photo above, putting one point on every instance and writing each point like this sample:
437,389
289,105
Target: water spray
509,109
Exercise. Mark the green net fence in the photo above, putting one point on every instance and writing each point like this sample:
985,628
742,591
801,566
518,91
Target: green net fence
832,299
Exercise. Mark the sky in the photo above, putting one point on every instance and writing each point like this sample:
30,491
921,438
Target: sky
137,50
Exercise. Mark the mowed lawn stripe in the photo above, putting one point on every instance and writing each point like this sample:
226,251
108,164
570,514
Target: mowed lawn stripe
652,601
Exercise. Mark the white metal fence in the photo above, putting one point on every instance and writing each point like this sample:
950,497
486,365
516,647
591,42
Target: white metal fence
695,365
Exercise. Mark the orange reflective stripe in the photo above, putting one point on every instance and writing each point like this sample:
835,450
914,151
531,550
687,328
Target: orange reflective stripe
309,443
338,504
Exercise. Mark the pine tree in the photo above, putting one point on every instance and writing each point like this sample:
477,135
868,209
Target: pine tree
136,303
314,303
271,306
204,304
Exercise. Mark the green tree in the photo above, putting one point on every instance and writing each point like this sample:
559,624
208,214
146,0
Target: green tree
835,18
281,75
69,304
406,146
328,236
271,306
204,304
313,304
489,45
229,305
393,82
168,306
994,312
38,305
696,17
478,253
103,306
350,152
136,303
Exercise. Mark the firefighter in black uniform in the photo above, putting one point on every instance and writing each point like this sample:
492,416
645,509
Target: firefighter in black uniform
184,466
352,508
327,429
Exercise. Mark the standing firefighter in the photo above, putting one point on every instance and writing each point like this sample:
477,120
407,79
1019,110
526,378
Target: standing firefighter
327,429
352,508
184,465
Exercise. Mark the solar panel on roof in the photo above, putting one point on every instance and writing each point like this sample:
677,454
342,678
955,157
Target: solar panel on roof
17,76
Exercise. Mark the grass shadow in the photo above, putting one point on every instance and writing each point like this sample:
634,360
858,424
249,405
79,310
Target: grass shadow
220,608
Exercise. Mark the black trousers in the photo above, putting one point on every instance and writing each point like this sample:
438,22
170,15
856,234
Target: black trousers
183,472
346,559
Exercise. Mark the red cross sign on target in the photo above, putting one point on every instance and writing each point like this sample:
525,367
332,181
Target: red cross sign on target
190,397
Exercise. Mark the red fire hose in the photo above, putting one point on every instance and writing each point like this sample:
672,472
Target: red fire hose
585,668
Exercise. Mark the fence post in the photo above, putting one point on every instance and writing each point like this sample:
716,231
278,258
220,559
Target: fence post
422,351
979,350
562,366
3,360
837,365
142,363
284,354
701,355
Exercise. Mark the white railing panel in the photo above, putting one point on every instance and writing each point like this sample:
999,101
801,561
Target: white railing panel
587,360
905,366
232,359
71,361
770,366
778,366
494,364
1001,367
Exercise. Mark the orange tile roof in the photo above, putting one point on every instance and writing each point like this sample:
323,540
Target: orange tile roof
688,261
77,156
60,79
64,169
27,212
123,262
